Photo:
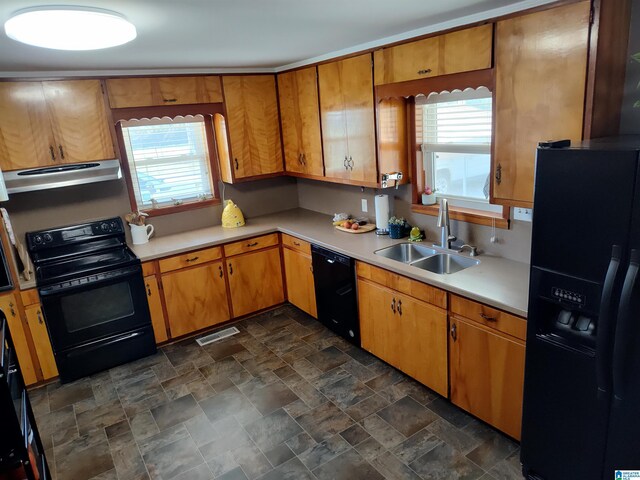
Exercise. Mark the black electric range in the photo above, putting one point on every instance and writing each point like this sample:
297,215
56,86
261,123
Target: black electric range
93,296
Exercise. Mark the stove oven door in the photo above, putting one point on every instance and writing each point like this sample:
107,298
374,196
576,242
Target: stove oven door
86,310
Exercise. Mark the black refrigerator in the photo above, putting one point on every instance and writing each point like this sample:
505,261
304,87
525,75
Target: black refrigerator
581,413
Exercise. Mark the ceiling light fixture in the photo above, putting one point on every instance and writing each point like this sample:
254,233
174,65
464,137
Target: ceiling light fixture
69,28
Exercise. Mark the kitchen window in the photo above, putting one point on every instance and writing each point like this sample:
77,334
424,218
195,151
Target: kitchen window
169,163
453,132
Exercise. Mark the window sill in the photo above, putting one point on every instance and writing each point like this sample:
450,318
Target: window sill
469,215
182,208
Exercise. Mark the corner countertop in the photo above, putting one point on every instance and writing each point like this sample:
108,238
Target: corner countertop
496,281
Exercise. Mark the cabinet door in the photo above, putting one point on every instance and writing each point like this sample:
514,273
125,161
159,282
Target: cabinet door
196,298
79,120
487,375
155,308
300,118
19,337
255,281
152,91
455,52
377,330
252,121
540,66
41,341
26,138
348,128
300,287
422,352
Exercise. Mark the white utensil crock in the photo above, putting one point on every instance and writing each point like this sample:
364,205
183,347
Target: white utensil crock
141,233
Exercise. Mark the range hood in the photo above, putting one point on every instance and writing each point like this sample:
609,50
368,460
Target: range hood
44,178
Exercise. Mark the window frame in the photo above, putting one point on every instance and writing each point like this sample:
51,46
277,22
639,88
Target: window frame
207,110
459,81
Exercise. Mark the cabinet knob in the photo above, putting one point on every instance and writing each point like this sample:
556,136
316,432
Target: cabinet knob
454,332
237,165
304,159
230,269
192,259
487,317
39,314
400,307
220,271
253,244
424,71
13,312
300,159
170,100
52,152
393,305
498,174
148,290
61,152
297,244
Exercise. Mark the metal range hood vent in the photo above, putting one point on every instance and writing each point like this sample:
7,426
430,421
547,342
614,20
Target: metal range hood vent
30,180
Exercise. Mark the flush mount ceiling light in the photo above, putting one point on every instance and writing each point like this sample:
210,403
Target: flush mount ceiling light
69,28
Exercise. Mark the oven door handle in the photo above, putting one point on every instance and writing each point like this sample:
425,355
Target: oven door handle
57,289
98,344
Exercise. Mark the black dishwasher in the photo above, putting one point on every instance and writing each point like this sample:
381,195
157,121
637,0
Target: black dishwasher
335,283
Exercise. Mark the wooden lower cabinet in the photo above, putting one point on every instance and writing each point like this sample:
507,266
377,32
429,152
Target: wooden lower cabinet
300,287
19,335
155,308
487,374
41,342
255,281
196,298
409,334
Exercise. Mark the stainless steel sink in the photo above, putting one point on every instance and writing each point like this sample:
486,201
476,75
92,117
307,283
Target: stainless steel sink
445,263
405,252
425,258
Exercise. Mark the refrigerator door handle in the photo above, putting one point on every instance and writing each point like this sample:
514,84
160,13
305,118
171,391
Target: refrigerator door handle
604,339
626,329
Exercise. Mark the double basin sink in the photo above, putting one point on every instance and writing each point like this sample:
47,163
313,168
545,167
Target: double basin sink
427,258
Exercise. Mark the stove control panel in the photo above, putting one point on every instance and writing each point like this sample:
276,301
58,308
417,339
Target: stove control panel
71,234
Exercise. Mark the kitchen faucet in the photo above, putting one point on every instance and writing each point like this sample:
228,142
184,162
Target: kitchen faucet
443,221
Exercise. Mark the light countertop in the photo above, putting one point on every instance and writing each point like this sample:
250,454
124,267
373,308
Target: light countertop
498,282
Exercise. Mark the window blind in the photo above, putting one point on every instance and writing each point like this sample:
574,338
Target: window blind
457,121
168,160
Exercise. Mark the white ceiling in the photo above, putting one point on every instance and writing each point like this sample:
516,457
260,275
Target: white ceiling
199,36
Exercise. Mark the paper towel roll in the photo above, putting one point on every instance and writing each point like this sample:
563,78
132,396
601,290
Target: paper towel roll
382,212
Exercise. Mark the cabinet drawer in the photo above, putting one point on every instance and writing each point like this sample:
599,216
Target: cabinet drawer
490,317
190,259
30,297
296,244
413,288
251,244
148,268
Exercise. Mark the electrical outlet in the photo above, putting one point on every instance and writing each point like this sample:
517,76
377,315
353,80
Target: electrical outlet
365,206
523,214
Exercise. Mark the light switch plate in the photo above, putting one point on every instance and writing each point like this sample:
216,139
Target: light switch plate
365,207
523,214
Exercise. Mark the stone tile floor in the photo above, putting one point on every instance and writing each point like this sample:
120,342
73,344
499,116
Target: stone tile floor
283,399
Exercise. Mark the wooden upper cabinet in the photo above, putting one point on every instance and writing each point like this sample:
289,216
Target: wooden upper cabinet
26,136
79,120
455,52
49,123
540,66
393,145
347,116
300,118
154,91
252,124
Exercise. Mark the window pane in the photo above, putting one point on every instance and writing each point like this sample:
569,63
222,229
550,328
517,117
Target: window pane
462,175
168,160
